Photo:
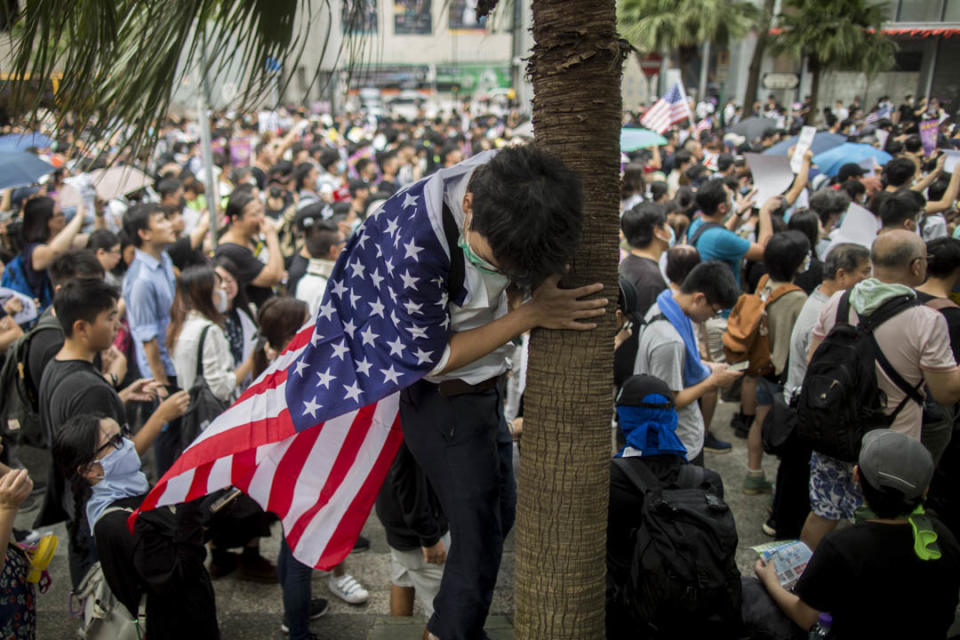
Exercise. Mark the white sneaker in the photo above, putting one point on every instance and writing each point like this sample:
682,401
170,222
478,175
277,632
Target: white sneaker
347,589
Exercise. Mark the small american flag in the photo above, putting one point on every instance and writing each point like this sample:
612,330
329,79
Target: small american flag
669,109
704,125
313,438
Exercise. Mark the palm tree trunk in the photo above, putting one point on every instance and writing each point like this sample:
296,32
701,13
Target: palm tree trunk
814,66
753,79
564,474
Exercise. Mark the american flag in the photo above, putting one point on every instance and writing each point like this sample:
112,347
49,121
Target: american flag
313,438
669,109
704,125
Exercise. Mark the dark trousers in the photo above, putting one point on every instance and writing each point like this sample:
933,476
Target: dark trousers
166,448
456,442
295,582
791,497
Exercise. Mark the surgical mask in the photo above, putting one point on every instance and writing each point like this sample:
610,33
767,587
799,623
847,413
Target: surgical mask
478,262
120,462
806,264
220,300
673,236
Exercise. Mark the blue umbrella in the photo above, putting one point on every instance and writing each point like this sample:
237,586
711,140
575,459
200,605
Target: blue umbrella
822,141
19,168
830,161
633,139
23,141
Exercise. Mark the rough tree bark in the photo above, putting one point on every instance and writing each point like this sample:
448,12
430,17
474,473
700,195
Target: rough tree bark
753,77
576,68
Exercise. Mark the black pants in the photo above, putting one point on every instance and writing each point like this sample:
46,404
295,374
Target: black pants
455,441
166,448
791,498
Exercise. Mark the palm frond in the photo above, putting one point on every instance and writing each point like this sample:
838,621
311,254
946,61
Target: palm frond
658,25
124,58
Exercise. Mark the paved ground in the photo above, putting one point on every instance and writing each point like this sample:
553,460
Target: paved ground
248,610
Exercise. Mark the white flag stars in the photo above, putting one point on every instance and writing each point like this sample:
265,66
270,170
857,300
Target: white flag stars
396,347
327,310
377,308
409,200
349,328
353,392
338,288
339,350
413,308
301,365
423,356
409,282
390,375
325,378
368,336
358,269
311,407
413,250
363,366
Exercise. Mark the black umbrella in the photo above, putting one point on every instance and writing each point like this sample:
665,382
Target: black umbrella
753,127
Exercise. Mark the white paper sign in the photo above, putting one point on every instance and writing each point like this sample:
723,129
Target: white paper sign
953,157
859,226
869,165
882,135
29,311
771,175
806,139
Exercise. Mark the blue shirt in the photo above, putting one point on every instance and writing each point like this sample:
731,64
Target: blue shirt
720,244
148,288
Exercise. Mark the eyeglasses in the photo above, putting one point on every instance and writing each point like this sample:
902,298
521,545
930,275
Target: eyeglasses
115,441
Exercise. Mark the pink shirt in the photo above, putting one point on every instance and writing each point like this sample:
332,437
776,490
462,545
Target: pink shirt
913,341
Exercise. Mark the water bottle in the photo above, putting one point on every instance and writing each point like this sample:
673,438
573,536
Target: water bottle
822,628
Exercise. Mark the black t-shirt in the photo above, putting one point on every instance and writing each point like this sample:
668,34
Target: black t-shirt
295,270
249,267
70,388
183,255
260,176
873,584
646,278
952,316
44,345
812,277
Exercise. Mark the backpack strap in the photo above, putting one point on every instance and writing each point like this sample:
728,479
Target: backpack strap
939,304
203,338
640,477
781,291
706,226
457,272
843,309
913,393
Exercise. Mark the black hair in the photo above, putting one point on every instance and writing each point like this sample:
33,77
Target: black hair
137,219
807,222
711,195
944,257
300,175
639,223
36,214
899,172
529,207
714,280
81,263
83,299
75,445
102,239
658,190
854,188
240,303
846,256
938,187
319,237
900,207
724,161
681,259
784,254
913,143
237,202
168,186
328,158
681,157
887,503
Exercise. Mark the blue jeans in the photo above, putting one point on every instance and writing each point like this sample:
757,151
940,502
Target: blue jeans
295,582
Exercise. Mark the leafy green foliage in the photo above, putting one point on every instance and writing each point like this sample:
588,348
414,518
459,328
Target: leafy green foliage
665,25
836,34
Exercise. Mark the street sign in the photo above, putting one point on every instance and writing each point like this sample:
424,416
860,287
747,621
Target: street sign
780,81
650,64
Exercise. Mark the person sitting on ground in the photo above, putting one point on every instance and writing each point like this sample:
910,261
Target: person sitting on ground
648,420
18,615
895,574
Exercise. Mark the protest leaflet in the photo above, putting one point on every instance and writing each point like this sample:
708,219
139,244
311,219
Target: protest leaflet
789,558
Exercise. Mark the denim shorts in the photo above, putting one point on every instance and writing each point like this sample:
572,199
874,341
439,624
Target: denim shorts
833,493
766,390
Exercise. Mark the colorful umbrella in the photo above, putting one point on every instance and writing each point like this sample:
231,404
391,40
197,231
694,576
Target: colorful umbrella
633,139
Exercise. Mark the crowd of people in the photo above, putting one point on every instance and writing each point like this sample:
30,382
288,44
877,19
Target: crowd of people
145,320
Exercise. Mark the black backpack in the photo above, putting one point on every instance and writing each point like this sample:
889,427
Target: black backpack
840,399
684,580
204,406
19,401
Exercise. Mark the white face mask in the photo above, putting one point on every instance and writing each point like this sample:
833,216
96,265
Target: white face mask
220,300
